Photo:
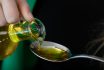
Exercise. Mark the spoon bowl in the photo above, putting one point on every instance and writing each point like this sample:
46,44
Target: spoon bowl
51,51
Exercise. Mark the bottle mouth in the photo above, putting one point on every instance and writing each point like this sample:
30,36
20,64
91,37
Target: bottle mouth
37,30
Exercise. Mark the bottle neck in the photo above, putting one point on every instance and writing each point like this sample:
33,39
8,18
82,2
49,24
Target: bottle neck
25,30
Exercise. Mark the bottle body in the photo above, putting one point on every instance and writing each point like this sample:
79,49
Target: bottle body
7,46
11,34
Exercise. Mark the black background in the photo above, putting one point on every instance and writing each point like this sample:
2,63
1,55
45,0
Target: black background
67,22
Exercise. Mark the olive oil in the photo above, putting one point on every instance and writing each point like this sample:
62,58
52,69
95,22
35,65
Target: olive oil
12,34
34,31
51,53
7,45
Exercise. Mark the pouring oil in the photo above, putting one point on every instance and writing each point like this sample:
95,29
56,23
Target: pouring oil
11,34
34,31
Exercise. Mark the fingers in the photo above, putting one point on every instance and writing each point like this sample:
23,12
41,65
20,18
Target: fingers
10,13
10,10
2,18
24,9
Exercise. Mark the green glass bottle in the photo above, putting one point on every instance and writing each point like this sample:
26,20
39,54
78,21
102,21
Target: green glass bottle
12,34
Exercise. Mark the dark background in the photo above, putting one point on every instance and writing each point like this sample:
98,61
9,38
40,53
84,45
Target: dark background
71,23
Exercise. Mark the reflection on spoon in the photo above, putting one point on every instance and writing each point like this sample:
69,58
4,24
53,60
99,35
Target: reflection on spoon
55,52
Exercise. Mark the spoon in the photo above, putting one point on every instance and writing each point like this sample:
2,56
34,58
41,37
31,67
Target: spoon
55,52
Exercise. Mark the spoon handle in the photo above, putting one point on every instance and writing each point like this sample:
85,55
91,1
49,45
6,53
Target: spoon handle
88,57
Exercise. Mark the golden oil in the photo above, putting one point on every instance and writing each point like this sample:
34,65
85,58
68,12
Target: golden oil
7,45
50,52
11,34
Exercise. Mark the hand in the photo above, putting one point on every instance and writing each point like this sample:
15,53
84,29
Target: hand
12,10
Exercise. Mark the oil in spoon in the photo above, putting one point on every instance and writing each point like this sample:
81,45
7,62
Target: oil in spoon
50,52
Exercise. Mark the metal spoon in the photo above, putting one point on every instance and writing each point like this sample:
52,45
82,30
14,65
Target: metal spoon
55,52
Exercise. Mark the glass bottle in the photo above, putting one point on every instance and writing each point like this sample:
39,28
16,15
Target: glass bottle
12,34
